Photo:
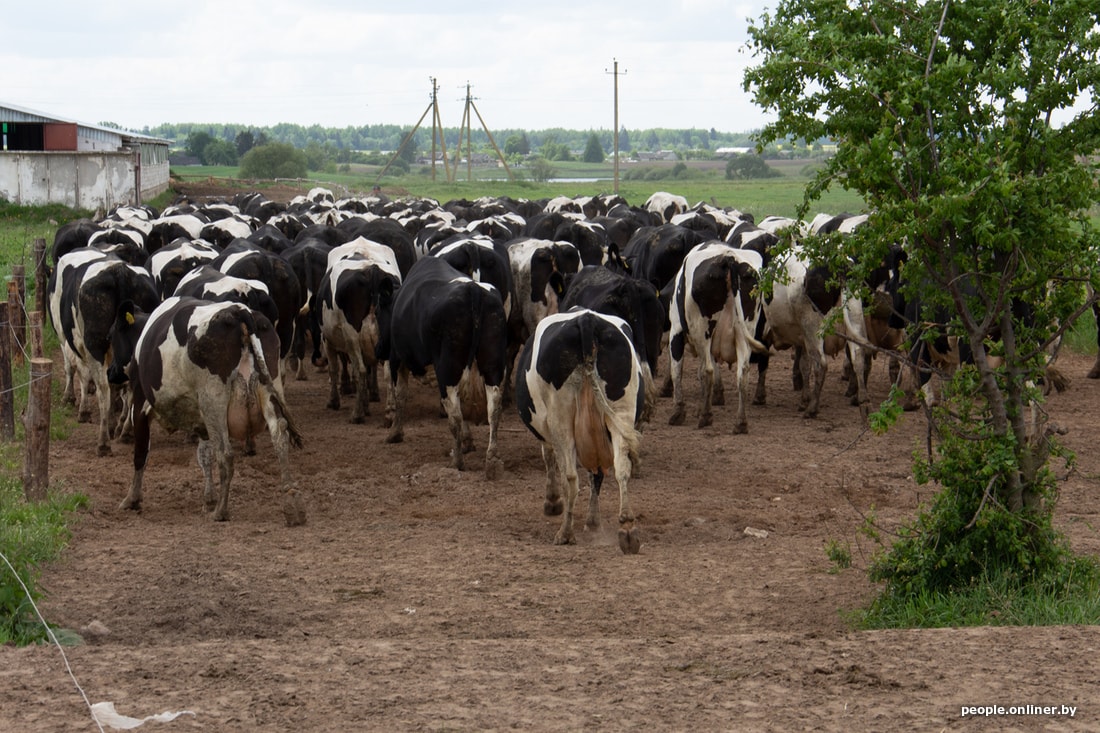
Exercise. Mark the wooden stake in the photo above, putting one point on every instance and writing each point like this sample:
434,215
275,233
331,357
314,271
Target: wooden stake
36,422
41,275
7,397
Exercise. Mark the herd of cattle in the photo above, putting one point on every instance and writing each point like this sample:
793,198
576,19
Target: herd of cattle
196,315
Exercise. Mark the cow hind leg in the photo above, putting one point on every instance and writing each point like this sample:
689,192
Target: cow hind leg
629,539
706,384
141,455
567,464
593,520
552,505
399,387
494,403
459,429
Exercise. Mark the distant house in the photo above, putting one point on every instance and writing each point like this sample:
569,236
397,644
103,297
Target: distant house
728,152
643,155
48,159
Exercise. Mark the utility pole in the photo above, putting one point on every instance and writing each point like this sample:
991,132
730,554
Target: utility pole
615,73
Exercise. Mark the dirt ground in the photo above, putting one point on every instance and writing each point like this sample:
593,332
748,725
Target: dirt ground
421,598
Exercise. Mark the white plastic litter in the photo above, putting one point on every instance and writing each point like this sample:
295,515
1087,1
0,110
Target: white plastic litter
105,714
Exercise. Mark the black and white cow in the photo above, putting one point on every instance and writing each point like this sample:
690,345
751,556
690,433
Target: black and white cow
579,390
804,299
308,258
541,270
666,205
245,260
209,283
444,320
715,315
170,263
208,369
654,254
636,302
85,290
355,299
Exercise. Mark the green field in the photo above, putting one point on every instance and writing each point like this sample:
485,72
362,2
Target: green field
704,181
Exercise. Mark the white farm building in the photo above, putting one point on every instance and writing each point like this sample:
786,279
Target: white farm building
49,159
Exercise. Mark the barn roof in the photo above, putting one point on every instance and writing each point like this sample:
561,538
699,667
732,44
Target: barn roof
15,113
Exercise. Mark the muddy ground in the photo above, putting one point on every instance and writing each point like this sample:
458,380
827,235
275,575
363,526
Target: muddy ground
421,598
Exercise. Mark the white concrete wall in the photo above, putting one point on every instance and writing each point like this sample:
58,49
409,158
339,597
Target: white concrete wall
89,181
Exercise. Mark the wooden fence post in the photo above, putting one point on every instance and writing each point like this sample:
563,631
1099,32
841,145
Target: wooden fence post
34,334
41,275
7,396
18,333
36,421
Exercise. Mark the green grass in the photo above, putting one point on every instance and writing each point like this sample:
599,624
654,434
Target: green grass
1072,597
776,196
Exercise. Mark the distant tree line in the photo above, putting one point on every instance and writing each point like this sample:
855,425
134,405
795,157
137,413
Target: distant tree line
331,149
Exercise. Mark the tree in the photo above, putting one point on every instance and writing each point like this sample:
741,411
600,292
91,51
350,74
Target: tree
219,152
197,141
274,160
749,166
244,141
541,169
593,151
517,145
942,112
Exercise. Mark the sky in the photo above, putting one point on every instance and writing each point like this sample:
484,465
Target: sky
337,63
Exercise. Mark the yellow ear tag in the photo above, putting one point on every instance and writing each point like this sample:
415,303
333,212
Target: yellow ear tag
130,319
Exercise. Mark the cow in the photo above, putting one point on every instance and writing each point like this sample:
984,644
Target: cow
666,205
655,253
715,315
804,300
457,326
245,260
636,302
171,262
541,270
308,258
72,235
208,369
579,390
85,290
355,301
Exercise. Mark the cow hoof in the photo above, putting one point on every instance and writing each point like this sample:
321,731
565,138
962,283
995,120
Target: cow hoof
552,508
494,469
1093,374
718,399
741,428
677,417
103,450
809,414
564,538
294,510
357,419
84,417
705,421
396,437
333,404
760,400
221,516
128,505
629,541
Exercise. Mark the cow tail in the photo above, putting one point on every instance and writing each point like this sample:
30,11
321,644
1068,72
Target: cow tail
590,346
475,322
251,342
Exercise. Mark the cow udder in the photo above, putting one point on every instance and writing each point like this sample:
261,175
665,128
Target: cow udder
590,434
